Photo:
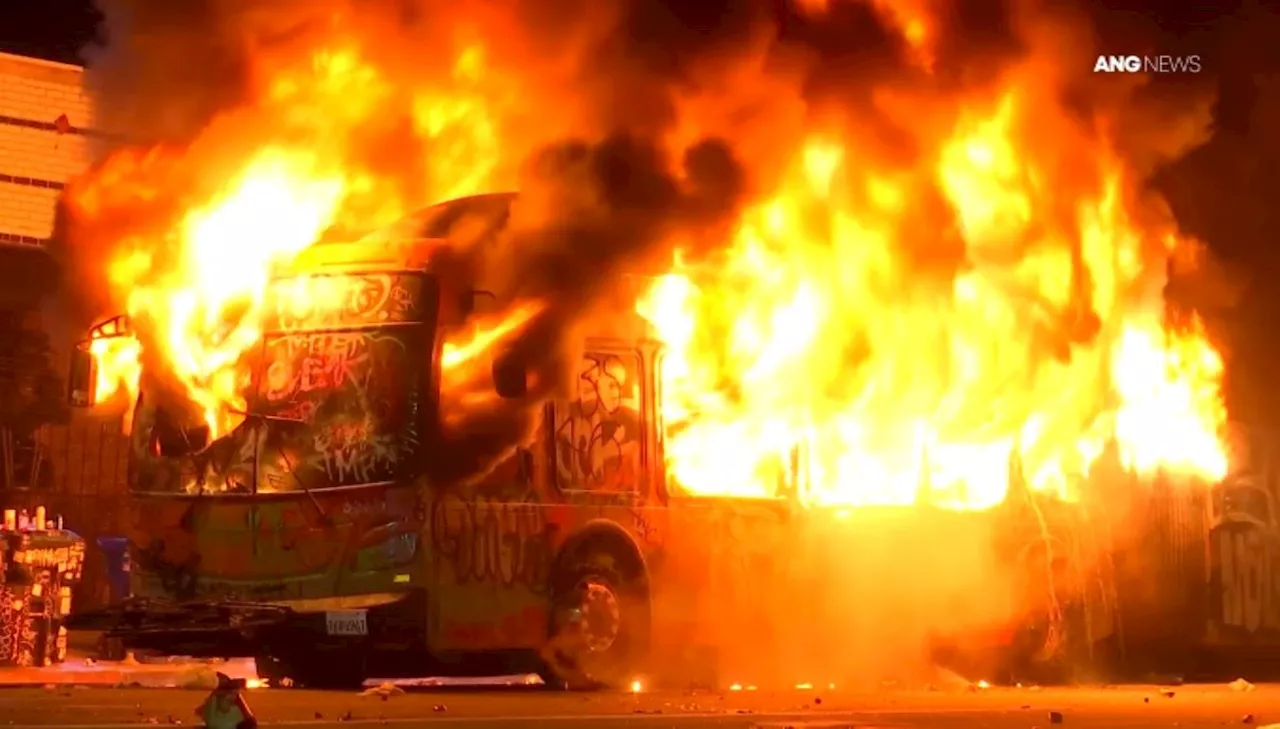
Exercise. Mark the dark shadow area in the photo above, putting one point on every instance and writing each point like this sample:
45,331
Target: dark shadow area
55,30
30,389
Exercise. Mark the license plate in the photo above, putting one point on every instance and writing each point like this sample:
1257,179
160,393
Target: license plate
346,622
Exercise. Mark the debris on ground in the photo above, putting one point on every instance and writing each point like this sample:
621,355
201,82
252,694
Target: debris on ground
439,708
1246,719
1055,717
1240,685
1167,693
384,691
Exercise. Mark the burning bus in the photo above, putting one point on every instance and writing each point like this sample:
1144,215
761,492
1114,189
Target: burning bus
332,528
904,375
331,518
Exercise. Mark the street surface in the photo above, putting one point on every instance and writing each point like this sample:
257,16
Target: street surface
1146,707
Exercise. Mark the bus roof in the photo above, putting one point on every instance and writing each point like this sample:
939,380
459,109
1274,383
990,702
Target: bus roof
408,243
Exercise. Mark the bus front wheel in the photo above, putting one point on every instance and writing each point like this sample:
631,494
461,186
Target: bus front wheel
599,630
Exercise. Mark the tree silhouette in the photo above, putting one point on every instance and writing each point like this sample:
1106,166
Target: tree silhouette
30,396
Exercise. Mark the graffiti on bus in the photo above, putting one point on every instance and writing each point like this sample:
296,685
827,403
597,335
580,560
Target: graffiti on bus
1245,539
482,540
598,433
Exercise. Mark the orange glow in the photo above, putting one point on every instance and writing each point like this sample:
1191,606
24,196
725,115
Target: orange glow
116,355
195,288
821,351
457,354
875,328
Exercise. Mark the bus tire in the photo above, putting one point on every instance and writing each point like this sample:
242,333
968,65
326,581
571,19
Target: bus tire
599,631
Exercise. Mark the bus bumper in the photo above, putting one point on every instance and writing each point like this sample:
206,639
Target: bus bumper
232,629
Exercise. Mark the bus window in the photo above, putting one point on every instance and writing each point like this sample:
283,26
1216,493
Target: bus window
598,434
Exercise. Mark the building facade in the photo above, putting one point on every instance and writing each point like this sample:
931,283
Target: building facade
75,469
46,137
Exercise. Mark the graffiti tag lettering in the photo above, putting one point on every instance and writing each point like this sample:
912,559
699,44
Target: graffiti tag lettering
1244,539
647,528
300,364
598,434
355,453
355,391
311,302
485,541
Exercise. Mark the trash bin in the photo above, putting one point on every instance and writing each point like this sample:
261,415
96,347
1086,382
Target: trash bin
115,550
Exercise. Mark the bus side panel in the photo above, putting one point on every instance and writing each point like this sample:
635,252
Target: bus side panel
1243,535
490,549
721,586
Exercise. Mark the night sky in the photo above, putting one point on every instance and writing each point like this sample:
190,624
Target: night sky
52,29
1224,192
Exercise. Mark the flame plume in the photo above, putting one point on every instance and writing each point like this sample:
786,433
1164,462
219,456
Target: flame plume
902,261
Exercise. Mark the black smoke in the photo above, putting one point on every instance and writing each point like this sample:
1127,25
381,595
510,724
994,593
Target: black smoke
593,213
599,93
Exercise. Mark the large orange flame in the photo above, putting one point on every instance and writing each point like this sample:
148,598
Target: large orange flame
822,337
198,287
893,333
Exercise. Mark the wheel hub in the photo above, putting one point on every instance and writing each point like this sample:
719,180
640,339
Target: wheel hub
597,616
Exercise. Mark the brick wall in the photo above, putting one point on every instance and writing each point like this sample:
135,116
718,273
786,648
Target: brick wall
45,137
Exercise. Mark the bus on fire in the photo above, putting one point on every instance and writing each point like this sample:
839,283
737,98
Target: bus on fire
335,519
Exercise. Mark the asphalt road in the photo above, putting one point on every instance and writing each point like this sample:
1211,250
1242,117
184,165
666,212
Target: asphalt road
1148,707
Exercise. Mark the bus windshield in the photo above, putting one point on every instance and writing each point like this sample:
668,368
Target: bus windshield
333,397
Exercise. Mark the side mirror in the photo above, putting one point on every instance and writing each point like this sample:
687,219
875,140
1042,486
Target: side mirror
510,377
82,379
470,301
